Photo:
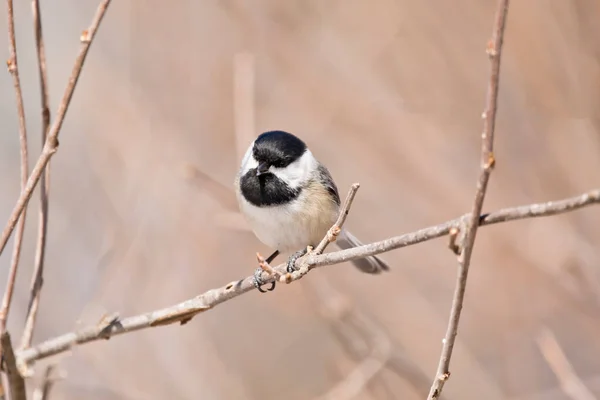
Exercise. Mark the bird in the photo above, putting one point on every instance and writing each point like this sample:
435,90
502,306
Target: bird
290,201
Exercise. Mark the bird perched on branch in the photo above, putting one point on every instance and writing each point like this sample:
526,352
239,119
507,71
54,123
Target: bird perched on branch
290,200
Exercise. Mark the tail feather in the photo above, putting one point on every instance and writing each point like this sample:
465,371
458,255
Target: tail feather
370,264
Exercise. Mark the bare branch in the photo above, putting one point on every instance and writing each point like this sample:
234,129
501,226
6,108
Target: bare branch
51,143
37,279
487,160
184,311
338,310
16,382
354,383
356,330
504,215
562,368
43,392
14,71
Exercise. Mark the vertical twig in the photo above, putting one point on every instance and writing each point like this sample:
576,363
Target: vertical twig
14,71
16,382
37,279
43,392
51,144
494,49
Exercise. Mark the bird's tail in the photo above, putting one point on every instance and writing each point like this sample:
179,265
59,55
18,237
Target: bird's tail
370,264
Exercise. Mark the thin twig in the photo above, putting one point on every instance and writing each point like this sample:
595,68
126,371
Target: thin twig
265,266
359,377
16,382
51,144
487,160
13,68
37,279
330,237
504,215
356,330
43,392
562,368
212,298
343,317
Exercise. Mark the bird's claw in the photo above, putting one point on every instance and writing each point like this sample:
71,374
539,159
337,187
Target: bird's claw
258,281
291,267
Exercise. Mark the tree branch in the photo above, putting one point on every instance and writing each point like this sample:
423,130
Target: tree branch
360,336
13,68
16,382
37,279
51,143
43,392
186,310
494,51
570,383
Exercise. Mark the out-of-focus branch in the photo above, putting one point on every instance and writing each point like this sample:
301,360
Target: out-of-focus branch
51,143
219,192
354,383
357,332
13,68
186,310
494,51
562,368
342,315
16,382
37,279
43,392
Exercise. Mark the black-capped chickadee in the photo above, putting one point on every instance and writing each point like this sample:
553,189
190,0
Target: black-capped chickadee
290,200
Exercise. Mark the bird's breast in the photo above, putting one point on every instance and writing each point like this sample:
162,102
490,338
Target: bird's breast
292,226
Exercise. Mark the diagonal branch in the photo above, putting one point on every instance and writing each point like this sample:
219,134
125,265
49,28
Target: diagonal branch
37,279
51,144
186,310
13,68
570,383
487,160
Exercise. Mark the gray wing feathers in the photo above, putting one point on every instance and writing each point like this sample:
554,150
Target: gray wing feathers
370,264
325,177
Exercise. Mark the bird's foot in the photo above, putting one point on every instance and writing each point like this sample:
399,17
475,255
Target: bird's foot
291,264
264,265
258,281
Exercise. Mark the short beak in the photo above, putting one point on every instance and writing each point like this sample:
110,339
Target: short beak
262,168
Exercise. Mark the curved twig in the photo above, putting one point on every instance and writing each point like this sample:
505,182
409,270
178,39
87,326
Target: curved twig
40,251
13,68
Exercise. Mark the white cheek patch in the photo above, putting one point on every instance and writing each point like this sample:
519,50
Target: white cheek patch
299,172
248,162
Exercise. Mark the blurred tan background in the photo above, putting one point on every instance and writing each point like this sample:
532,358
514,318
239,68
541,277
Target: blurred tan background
386,93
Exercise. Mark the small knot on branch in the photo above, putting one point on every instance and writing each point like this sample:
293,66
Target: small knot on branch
490,162
85,37
333,233
11,65
452,245
490,49
106,325
445,376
